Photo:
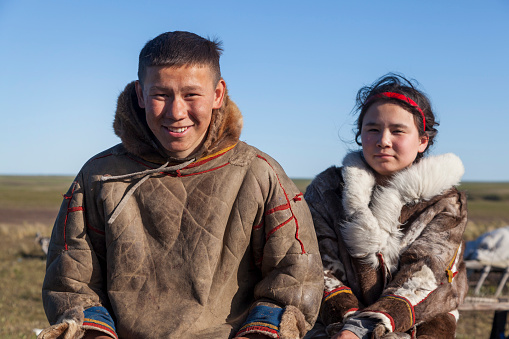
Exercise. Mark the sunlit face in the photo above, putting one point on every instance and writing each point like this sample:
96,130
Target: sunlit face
178,102
390,139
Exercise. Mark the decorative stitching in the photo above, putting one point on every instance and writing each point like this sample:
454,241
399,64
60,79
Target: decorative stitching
278,227
210,157
336,291
69,199
426,297
95,229
407,302
385,314
260,225
448,271
298,197
258,328
278,208
260,323
101,325
263,319
291,210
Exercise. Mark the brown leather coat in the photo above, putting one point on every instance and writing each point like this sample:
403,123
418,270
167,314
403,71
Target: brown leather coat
188,249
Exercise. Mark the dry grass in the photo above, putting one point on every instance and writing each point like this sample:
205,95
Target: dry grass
22,268
29,205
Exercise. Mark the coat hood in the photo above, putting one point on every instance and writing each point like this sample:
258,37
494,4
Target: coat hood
132,128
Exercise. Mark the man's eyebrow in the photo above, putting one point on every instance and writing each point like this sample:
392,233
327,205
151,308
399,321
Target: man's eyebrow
192,87
184,88
159,88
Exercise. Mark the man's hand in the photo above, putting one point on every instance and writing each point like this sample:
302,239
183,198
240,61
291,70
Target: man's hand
253,336
345,335
91,334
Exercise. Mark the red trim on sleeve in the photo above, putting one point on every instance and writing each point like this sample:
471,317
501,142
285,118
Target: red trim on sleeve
291,210
257,227
278,208
69,210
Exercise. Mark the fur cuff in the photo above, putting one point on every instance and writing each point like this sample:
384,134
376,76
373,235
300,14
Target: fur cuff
293,324
68,326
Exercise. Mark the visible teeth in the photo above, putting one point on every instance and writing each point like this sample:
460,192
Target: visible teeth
177,130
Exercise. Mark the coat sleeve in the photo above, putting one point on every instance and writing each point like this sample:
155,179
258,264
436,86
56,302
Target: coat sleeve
338,302
431,279
284,246
74,294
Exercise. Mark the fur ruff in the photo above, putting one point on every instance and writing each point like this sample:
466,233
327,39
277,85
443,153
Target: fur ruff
373,212
131,126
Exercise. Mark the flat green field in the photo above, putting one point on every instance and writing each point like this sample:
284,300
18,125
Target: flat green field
29,204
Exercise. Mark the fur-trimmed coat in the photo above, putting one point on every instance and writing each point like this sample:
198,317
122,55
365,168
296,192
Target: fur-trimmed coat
213,246
393,253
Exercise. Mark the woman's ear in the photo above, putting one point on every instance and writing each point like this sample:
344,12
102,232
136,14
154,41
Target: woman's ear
423,143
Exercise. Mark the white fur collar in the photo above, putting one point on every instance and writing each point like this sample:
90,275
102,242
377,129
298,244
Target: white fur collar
373,211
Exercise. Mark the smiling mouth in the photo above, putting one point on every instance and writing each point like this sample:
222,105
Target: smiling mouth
177,129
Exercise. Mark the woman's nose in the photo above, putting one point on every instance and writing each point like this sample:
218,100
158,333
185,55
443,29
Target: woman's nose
384,140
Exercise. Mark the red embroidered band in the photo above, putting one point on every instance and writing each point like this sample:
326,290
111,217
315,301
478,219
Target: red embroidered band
402,98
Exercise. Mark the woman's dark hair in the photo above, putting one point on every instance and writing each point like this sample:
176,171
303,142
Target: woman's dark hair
395,83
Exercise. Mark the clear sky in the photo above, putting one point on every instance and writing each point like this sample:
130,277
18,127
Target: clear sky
293,68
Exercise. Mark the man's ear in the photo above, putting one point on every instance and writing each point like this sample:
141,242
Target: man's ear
219,94
139,93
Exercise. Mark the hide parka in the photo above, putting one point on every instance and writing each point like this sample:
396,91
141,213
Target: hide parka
213,246
391,254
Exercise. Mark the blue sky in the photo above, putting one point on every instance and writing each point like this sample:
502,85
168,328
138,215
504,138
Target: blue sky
292,67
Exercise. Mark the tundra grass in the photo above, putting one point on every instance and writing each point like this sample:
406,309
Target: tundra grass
22,264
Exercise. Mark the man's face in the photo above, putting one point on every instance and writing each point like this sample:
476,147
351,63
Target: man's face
178,102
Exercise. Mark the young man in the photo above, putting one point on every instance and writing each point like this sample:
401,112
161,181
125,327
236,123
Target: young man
181,231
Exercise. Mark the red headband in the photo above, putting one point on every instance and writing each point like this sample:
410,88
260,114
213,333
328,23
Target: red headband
402,98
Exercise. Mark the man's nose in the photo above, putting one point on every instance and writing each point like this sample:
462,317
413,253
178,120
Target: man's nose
177,110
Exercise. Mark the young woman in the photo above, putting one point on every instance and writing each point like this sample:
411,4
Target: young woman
390,224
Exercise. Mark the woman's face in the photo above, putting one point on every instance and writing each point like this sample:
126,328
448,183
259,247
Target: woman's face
390,138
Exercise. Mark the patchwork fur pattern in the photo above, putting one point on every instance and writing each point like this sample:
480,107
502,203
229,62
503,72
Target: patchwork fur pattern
398,247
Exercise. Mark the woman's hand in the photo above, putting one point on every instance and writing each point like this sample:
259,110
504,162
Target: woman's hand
345,335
